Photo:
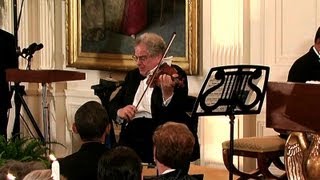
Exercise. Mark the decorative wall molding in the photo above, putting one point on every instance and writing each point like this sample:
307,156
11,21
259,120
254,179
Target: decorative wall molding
225,48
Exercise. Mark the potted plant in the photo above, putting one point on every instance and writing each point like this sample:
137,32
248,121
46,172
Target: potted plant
23,149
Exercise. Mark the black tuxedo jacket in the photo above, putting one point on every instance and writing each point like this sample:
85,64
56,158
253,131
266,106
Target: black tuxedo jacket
306,68
138,133
8,60
175,111
84,163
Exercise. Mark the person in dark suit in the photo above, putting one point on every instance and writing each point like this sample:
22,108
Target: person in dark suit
120,163
141,108
307,67
8,60
172,147
92,124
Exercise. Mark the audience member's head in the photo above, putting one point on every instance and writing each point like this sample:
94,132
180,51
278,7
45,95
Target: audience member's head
19,169
120,163
91,122
173,145
42,174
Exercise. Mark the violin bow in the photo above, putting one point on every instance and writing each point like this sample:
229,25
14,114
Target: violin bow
155,71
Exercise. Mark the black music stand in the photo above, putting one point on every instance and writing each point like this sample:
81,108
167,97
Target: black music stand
232,90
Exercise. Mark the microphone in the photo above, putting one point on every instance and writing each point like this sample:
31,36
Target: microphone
32,49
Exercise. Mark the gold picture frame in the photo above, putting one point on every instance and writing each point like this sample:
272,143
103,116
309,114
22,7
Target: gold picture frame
99,60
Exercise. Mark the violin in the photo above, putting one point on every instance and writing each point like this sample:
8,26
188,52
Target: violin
165,69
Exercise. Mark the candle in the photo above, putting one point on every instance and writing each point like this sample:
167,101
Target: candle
55,168
10,176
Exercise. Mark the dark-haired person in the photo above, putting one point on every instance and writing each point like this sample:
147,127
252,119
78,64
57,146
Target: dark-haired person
8,60
120,163
158,104
92,124
172,148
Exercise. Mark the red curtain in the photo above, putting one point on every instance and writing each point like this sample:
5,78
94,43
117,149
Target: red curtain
134,17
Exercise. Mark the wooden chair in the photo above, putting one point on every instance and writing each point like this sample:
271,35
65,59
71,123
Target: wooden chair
266,150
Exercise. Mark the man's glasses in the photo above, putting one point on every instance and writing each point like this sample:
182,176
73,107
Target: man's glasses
141,58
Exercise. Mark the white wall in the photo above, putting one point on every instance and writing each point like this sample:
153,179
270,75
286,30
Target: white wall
267,32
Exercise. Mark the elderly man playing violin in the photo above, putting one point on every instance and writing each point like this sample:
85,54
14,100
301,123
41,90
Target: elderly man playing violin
149,97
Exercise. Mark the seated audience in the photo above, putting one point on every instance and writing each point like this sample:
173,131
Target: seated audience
120,163
172,148
92,124
19,169
43,174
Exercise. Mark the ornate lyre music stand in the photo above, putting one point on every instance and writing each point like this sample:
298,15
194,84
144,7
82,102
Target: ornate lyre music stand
232,90
43,77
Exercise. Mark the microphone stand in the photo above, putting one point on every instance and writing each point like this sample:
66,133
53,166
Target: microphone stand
16,21
19,89
29,61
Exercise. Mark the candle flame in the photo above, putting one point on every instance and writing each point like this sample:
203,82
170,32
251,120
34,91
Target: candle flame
52,157
10,176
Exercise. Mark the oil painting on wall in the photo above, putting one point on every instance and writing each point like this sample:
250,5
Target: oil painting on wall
101,32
